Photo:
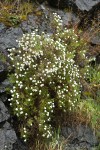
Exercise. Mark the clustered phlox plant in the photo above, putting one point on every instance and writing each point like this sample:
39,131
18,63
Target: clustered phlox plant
47,76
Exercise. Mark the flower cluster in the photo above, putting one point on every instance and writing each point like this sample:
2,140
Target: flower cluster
47,72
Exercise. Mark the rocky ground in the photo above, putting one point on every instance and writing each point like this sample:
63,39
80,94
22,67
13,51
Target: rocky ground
82,137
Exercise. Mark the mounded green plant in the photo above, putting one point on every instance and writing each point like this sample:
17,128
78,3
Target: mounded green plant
92,111
90,105
48,70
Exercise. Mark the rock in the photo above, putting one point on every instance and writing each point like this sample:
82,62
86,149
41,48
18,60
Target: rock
19,146
81,137
86,4
84,145
3,97
8,39
2,28
26,28
29,25
2,89
80,4
7,137
95,40
2,140
89,137
4,115
70,18
5,84
92,34
3,71
7,126
10,137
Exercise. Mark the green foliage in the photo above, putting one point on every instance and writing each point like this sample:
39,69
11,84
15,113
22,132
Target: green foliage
56,143
98,147
13,12
2,57
14,20
94,75
92,89
90,106
47,78
92,109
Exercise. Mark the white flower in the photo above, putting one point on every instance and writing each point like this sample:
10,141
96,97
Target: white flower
29,100
21,108
25,140
26,114
21,112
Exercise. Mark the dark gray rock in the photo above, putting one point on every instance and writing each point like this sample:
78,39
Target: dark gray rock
4,115
89,136
2,140
81,137
19,146
7,126
3,71
93,33
2,89
2,28
26,28
95,40
7,137
29,25
70,17
86,4
8,39
5,84
3,97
